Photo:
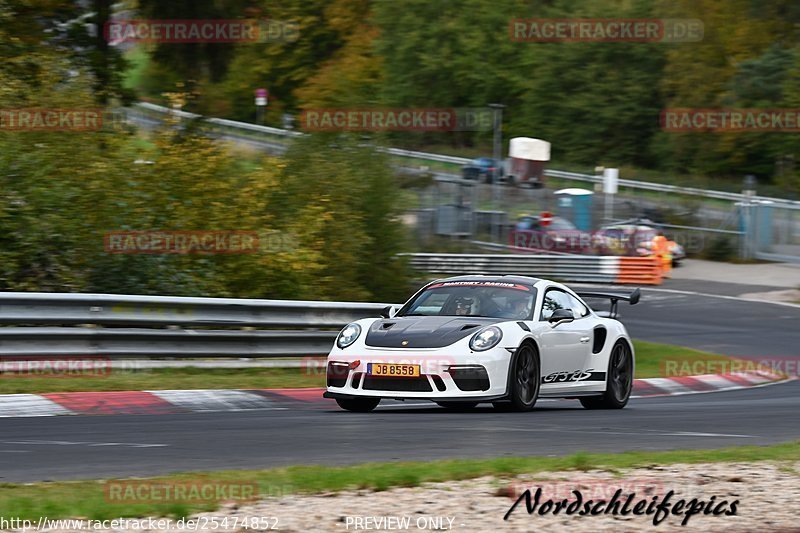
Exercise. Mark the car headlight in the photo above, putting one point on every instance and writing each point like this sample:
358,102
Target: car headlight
485,339
348,335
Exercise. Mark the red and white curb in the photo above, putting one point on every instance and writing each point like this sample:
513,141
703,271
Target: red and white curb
643,388
213,400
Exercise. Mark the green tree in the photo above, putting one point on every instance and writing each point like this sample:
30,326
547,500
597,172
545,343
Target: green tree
351,191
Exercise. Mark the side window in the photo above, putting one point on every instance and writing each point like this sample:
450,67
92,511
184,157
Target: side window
554,300
577,307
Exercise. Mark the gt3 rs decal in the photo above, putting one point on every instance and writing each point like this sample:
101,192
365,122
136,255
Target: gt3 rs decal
575,375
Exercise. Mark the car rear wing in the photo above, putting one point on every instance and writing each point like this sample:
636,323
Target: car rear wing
632,298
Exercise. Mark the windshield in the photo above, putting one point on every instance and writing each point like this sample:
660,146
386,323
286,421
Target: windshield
476,299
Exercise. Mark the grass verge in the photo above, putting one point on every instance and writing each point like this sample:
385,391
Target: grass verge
86,499
167,378
655,360
651,360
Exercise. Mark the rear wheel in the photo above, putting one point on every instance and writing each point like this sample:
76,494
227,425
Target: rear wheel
458,406
619,382
525,377
358,405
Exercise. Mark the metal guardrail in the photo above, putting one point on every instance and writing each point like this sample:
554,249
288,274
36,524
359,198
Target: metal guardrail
649,186
583,268
219,121
154,326
127,342
118,326
124,310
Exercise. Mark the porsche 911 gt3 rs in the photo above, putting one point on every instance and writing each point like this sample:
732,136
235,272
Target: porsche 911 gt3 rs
508,340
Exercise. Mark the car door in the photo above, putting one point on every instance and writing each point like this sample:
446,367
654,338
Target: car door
565,348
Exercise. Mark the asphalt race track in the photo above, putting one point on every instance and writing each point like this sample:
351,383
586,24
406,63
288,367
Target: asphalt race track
75,447
718,324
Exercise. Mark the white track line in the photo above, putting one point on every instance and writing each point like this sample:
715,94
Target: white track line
724,297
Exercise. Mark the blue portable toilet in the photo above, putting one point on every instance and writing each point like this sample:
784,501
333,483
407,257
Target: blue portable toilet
575,205
763,223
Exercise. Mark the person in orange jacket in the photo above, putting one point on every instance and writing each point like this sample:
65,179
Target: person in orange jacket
661,249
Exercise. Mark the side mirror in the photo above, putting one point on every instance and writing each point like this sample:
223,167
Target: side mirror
561,315
388,311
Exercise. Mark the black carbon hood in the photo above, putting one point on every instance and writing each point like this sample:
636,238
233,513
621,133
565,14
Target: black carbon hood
424,331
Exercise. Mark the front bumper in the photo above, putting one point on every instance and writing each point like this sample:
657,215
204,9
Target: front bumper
474,376
343,396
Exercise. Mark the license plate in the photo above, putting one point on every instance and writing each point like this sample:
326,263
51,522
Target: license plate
382,369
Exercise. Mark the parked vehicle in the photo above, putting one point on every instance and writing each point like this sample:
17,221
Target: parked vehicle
554,234
528,158
483,169
635,240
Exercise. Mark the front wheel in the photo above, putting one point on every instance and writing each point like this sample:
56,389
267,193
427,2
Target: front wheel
619,381
358,405
525,377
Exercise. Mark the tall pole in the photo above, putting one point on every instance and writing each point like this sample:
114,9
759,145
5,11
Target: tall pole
497,151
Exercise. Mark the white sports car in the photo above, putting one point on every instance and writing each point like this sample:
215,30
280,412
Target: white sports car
470,339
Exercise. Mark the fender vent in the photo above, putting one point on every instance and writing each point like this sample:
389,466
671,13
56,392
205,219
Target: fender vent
387,325
600,334
469,326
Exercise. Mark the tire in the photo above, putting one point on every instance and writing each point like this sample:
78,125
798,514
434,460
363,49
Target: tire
458,406
358,405
618,383
524,379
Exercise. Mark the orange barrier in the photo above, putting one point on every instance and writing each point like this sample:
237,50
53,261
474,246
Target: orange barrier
640,270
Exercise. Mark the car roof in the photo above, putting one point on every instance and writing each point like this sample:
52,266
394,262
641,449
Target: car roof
522,280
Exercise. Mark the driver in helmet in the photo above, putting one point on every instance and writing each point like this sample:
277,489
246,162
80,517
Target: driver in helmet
463,306
516,307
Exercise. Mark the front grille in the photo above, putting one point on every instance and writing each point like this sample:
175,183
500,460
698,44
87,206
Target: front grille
420,384
337,375
471,378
